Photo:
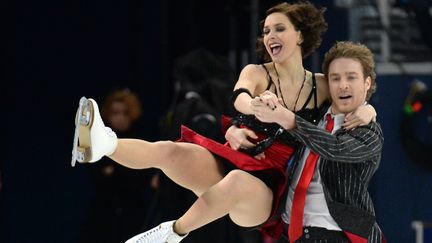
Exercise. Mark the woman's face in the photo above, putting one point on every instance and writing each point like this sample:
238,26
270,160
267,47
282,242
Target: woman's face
280,37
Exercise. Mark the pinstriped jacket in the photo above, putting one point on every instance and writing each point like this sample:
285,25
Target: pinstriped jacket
348,161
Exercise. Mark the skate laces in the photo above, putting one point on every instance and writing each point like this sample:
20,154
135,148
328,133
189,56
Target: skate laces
163,233
154,234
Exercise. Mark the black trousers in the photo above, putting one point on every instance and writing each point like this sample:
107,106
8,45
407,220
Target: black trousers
316,235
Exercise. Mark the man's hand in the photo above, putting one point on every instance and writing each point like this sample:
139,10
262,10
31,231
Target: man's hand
363,115
238,138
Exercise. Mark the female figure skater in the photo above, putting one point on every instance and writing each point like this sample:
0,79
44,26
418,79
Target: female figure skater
226,180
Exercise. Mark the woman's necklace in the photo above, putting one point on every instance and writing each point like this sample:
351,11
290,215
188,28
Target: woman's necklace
280,90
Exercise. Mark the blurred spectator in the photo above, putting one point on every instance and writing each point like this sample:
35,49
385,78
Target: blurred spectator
119,207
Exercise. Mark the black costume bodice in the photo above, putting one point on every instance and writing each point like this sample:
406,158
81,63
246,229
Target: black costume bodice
270,129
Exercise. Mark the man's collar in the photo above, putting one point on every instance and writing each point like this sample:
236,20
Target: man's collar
330,109
339,119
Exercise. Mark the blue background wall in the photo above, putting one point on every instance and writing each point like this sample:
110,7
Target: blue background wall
401,189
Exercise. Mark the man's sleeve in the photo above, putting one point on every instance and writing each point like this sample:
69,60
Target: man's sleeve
353,146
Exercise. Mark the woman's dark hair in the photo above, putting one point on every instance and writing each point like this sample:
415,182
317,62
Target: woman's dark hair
306,18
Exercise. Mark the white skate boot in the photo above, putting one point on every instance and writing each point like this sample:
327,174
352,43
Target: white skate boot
163,233
92,140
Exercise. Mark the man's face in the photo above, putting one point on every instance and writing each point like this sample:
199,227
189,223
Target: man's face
347,85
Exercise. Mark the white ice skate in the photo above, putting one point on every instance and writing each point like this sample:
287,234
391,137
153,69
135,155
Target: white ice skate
92,140
163,233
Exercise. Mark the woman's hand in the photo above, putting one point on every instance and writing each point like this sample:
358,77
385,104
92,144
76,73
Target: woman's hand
363,115
266,107
270,99
263,111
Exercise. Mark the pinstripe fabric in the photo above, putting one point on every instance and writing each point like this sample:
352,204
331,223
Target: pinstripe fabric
312,241
321,241
348,161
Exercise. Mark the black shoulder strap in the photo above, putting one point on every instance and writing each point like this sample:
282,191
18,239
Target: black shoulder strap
314,88
312,93
269,79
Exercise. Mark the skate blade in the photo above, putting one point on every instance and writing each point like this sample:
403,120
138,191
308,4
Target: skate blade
81,150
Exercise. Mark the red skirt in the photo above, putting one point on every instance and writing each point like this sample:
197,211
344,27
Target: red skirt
274,164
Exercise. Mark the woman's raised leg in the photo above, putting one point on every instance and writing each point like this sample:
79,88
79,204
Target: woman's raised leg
187,164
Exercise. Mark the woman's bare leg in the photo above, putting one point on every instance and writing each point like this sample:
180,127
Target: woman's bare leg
246,199
187,164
